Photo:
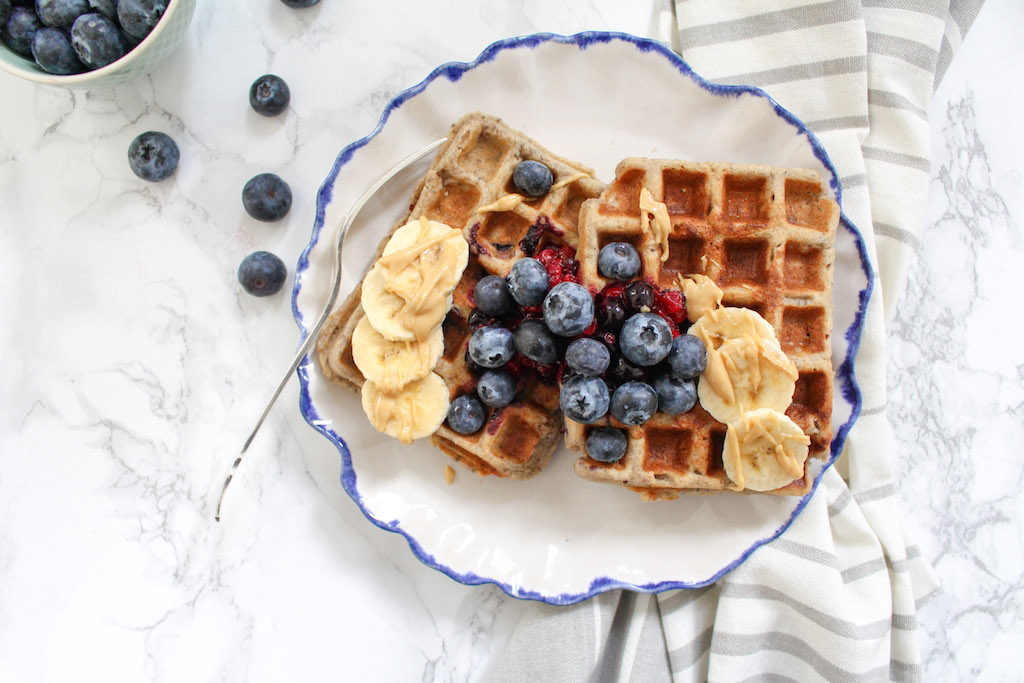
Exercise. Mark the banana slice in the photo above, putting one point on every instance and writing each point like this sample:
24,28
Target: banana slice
390,365
385,312
424,254
416,410
728,322
764,450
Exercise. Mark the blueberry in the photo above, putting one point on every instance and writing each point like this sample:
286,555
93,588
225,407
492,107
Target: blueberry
532,178
496,388
60,13
675,396
300,4
688,356
568,309
584,399
528,282
611,314
269,95
587,357
138,17
107,8
606,444
97,40
5,12
153,156
639,295
492,296
645,339
535,341
52,51
622,371
634,403
262,273
17,31
491,347
266,197
618,261
466,415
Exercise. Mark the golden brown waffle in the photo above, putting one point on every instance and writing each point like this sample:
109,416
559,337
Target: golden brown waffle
472,170
765,236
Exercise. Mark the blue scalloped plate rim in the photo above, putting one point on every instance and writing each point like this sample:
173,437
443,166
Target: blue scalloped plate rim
453,71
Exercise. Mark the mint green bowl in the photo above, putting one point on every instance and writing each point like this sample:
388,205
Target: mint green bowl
161,42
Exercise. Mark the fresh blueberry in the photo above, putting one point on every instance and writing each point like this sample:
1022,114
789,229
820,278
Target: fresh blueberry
568,309
584,399
153,156
606,444
492,296
97,40
639,295
532,178
17,31
262,273
645,339
52,51
138,17
688,357
618,261
300,4
466,415
634,403
60,13
675,396
535,341
496,388
269,95
622,371
587,357
528,282
266,197
107,8
491,347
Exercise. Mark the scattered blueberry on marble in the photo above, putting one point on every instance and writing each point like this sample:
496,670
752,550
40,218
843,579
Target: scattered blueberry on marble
584,399
60,13
491,347
675,396
138,17
587,357
266,197
496,388
492,296
262,273
532,178
97,40
533,340
153,156
528,282
568,309
606,444
466,415
634,403
51,48
300,4
688,356
618,261
646,339
18,29
269,95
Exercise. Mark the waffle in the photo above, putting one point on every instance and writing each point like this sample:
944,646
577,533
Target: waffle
765,236
473,170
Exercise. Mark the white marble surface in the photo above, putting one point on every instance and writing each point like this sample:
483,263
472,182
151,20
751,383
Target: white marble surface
133,366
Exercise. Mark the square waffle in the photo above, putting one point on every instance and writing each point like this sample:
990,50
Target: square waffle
471,172
765,236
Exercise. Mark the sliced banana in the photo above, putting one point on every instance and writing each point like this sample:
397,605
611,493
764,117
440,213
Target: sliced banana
384,309
727,322
390,365
764,450
421,254
416,410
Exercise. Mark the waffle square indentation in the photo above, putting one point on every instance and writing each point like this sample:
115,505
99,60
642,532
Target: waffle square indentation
456,331
745,200
716,448
803,266
517,438
669,450
456,202
745,261
622,198
812,390
803,329
568,212
503,229
684,252
685,193
483,157
807,205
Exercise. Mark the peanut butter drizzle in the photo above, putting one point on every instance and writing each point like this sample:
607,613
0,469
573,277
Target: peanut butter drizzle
569,179
662,226
506,203
701,293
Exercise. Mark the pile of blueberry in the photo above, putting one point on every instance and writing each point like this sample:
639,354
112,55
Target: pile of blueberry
622,351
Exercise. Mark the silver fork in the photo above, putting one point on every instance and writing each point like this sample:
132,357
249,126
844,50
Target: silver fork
343,229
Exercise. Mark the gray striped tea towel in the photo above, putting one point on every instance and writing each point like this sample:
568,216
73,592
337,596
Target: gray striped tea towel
834,598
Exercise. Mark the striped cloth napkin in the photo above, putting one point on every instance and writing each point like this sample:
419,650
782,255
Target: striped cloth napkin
834,598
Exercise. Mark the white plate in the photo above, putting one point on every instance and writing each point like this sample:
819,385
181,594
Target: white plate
596,98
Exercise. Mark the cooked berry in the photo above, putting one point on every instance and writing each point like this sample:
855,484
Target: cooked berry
52,51
561,264
478,318
639,295
568,309
492,296
688,356
675,396
300,4
646,339
466,415
532,178
138,17
606,444
671,305
618,261
17,31
535,341
611,313
587,357
622,371
584,399
60,13
496,388
528,282
153,156
262,273
269,95
491,347
97,40
634,403
266,197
